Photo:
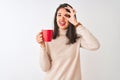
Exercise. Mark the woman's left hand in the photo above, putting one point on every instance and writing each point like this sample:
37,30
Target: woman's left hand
71,15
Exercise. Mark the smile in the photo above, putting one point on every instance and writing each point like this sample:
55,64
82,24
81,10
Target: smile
62,23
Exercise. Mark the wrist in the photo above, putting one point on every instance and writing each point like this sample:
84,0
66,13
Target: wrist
77,24
42,46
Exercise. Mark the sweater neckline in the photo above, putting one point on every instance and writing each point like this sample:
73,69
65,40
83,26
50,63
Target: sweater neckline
62,32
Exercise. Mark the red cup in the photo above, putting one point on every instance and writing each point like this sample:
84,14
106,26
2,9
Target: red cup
47,35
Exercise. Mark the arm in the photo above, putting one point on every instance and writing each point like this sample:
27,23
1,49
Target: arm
88,41
44,55
45,61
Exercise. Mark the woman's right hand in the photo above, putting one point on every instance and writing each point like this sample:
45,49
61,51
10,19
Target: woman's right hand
39,39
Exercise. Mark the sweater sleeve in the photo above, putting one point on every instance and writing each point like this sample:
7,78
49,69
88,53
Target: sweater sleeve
87,40
45,61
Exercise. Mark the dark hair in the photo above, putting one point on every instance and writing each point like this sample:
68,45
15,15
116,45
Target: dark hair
71,31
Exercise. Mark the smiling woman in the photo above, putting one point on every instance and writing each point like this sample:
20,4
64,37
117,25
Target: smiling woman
60,58
65,18
62,21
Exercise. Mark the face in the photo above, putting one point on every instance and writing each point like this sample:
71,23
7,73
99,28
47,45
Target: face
62,20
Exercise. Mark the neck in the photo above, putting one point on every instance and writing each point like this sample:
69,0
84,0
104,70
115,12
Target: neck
62,31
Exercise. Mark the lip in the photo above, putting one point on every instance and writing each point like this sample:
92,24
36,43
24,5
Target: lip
62,23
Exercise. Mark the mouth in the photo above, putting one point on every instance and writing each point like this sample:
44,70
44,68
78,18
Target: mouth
62,23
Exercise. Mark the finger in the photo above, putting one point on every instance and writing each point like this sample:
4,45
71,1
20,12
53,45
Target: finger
40,33
69,14
39,37
74,12
69,8
40,40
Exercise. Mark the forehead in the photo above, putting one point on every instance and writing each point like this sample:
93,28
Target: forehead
62,10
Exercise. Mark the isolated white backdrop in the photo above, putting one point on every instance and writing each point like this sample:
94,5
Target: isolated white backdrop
21,20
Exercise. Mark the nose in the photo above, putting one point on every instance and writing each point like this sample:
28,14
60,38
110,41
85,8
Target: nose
62,18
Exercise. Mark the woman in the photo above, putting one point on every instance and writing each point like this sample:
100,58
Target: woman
60,58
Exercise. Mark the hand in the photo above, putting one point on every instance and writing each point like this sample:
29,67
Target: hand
71,15
39,39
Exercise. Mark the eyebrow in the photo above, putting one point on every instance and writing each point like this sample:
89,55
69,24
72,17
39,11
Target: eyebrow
58,13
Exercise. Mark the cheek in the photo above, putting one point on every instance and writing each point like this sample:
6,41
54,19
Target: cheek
67,23
57,22
57,19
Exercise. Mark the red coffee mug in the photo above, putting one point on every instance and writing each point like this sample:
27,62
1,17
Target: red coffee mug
47,35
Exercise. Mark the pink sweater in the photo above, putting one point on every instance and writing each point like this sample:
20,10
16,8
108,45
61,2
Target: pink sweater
61,61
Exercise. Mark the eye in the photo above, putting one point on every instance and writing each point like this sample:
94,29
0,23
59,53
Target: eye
67,15
59,15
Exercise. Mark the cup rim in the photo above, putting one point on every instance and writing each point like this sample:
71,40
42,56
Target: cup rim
47,29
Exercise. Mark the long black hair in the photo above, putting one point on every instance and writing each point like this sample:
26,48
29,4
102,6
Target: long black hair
71,31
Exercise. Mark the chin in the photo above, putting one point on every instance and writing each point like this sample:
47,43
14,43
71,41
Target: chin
63,28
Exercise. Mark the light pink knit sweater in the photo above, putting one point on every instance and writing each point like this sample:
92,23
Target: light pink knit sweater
61,61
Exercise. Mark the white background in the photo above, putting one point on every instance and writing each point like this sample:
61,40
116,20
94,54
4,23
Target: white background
21,20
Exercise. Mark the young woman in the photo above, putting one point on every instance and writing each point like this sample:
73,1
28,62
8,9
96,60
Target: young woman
60,58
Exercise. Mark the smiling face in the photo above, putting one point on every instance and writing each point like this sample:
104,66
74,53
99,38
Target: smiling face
62,20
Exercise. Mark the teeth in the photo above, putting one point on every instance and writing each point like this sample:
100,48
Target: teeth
62,22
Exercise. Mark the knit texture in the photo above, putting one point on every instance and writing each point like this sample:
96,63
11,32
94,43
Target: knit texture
61,61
